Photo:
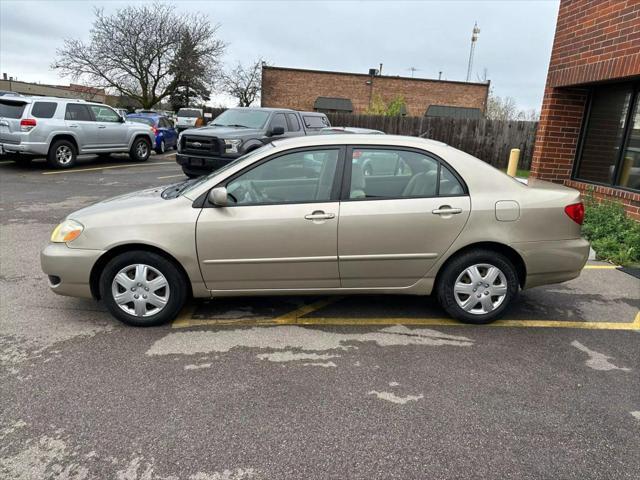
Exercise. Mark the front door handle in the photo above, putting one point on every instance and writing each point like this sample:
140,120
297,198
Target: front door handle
320,215
446,210
102,126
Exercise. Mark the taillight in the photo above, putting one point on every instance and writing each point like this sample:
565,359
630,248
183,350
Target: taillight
575,211
155,130
27,124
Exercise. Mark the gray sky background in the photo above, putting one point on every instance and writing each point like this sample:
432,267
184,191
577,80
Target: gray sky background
514,44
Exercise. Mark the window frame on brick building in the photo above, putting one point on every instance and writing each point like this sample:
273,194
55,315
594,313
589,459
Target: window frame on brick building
623,143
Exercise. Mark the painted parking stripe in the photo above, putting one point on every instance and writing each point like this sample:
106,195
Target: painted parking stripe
108,167
6,162
171,176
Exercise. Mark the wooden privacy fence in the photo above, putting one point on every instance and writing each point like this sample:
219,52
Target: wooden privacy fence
489,140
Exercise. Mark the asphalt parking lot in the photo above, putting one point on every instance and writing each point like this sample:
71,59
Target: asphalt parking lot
314,388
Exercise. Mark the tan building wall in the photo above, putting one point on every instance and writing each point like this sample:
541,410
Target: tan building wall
40,90
299,89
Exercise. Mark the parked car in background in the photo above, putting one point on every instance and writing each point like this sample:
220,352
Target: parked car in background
61,129
189,118
237,131
9,93
276,223
122,112
163,128
361,131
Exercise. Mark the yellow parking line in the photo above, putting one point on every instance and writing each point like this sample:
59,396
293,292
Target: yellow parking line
184,317
80,170
600,267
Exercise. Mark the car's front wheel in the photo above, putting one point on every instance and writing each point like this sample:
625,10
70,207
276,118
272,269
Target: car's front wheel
140,150
477,286
143,289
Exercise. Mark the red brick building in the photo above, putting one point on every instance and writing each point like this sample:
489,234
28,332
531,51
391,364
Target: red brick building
353,92
589,132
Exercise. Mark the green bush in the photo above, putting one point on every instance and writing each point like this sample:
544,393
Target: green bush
614,236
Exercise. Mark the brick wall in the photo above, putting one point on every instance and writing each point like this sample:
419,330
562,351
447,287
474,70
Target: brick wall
298,89
595,41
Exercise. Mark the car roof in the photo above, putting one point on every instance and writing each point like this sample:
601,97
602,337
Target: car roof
359,139
145,115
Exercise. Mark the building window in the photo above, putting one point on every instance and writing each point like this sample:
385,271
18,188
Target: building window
610,146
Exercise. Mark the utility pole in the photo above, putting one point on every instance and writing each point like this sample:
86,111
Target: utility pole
413,70
474,38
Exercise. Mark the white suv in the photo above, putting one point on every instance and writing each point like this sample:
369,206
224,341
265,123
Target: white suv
61,129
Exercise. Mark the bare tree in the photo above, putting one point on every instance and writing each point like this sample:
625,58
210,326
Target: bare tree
243,83
134,51
499,108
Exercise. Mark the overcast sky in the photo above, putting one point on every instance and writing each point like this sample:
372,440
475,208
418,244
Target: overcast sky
514,44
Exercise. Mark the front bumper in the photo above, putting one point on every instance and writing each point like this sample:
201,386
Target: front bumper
553,261
206,163
69,269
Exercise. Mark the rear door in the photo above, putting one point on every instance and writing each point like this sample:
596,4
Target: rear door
112,132
79,119
280,228
11,112
396,223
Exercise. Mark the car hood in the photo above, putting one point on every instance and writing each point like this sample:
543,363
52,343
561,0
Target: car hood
122,204
225,132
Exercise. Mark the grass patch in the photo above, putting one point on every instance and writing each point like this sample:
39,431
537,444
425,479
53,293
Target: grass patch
519,173
613,235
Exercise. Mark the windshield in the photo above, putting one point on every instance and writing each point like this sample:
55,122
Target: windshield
145,121
248,118
189,185
189,113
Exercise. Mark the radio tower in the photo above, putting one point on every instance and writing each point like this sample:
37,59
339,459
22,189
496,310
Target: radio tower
474,37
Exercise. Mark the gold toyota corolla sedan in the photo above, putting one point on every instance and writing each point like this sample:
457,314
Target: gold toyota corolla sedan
324,215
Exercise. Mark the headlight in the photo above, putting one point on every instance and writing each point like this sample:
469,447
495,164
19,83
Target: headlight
179,142
232,145
67,231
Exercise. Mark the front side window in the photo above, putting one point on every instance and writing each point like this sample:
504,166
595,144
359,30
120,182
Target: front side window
279,120
105,114
44,109
77,112
298,177
610,143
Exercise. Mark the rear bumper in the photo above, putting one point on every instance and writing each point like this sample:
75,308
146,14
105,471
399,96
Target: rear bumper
69,269
205,163
553,261
26,148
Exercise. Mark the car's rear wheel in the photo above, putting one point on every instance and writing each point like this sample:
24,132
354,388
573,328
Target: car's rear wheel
62,154
143,289
477,286
140,150
161,148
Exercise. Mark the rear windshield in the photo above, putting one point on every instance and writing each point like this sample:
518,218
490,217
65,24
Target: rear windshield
145,121
189,112
11,109
313,121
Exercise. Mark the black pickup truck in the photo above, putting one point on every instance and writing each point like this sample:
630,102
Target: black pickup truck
237,131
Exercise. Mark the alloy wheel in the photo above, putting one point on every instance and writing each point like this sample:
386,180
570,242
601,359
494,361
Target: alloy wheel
140,290
64,154
480,289
142,150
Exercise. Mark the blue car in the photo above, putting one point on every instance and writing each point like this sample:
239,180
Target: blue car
166,134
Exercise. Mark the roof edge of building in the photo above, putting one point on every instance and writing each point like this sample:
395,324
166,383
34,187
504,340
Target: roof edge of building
330,72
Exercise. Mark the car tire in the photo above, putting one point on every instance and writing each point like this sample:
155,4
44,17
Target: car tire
160,149
193,173
133,275
467,285
140,150
62,154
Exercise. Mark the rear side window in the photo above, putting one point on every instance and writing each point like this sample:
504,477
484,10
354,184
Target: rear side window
449,184
11,109
292,120
78,112
316,121
44,109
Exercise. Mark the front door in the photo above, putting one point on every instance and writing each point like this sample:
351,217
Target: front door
280,228
396,220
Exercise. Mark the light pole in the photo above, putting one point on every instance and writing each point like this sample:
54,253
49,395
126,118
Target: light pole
474,37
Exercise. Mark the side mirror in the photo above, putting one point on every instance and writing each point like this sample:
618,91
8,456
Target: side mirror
218,196
277,131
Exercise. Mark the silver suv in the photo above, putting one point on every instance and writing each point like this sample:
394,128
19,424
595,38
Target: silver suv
61,129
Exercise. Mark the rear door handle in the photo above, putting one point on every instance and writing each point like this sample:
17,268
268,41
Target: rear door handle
446,210
102,126
320,215
73,126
